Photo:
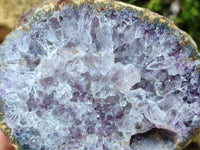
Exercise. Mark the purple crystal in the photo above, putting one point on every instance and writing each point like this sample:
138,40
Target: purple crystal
101,77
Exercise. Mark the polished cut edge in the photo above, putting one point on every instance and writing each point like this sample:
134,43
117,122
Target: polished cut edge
46,9
6,130
35,14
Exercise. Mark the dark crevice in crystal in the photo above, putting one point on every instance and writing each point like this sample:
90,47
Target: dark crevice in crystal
144,84
95,39
36,49
152,139
120,54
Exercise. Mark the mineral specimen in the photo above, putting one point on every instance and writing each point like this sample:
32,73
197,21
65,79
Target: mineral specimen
85,75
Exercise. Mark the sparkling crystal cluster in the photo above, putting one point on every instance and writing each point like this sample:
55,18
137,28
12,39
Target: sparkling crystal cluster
84,79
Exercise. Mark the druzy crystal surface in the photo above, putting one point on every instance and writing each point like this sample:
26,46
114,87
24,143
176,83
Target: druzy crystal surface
81,78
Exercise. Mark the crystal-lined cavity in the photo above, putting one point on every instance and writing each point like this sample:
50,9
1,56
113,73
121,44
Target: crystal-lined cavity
87,79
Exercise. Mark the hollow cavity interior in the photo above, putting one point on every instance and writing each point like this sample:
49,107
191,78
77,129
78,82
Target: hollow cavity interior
83,79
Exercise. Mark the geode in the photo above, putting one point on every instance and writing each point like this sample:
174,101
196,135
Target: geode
85,75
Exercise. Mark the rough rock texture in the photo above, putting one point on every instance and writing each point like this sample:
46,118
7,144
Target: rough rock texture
96,76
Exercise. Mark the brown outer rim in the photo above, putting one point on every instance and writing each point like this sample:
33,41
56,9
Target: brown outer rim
33,15
144,14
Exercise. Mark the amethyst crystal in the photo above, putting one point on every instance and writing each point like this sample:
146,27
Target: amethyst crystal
89,75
